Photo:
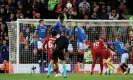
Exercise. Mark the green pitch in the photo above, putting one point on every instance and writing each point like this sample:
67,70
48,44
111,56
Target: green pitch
72,76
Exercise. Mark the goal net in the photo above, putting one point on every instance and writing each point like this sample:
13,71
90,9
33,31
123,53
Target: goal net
21,48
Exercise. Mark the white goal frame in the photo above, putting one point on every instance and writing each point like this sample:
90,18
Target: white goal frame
89,23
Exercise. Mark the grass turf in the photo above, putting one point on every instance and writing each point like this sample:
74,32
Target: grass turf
72,76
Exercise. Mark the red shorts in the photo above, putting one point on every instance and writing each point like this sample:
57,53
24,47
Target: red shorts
49,55
97,55
106,54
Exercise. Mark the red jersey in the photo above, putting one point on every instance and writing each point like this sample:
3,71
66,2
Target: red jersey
50,43
106,54
98,46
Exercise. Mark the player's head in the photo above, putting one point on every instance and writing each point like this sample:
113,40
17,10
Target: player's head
80,24
118,39
131,32
4,42
68,24
96,37
54,33
41,22
61,18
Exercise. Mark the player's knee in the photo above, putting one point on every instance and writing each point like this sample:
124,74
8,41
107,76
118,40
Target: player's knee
51,62
104,60
94,61
63,61
121,64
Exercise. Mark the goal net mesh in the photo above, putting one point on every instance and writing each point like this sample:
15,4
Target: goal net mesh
25,60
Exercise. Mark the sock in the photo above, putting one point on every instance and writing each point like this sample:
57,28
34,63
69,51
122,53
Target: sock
81,58
126,66
44,55
110,68
122,68
78,57
105,65
101,67
92,67
49,68
110,63
64,70
56,71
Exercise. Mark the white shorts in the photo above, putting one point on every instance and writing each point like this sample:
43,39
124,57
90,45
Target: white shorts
124,58
39,45
81,45
70,47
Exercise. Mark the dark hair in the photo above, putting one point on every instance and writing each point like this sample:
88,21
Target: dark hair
54,33
61,17
40,20
96,37
118,38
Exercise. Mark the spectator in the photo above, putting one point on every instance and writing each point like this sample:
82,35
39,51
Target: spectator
122,10
5,50
82,13
114,15
72,13
3,31
103,15
85,4
2,12
21,38
86,17
6,67
94,16
12,17
108,10
58,7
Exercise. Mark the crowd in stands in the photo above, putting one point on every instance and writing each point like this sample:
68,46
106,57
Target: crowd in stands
11,10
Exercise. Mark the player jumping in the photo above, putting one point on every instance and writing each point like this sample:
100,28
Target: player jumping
81,37
68,32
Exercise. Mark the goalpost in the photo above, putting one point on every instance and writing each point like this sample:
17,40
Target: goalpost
21,47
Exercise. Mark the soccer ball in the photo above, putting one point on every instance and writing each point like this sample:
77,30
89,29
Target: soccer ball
69,5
